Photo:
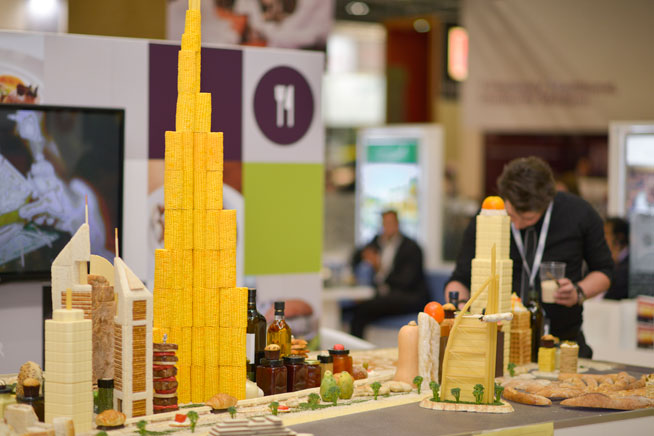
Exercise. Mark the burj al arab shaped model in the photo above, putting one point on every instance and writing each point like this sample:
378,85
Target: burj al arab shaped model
470,356
196,301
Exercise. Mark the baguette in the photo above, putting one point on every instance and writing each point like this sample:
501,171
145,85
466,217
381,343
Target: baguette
525,398
555,391
602,401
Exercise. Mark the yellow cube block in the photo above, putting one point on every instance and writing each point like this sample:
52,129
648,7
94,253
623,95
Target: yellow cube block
199,219
241,307
212,269
161,268
212,346
197,357
192,21
198,307
187,269
187,228
200,140
212,229
188,179
185,346
203,112
175,336
186,74
228,230
184,383
200,190
176,277
185,308
214,190
173,233
185,114
158,305
191,41
173,151
211,384
214,151
198,268
173,189
197,383
188,151
232,380
212,308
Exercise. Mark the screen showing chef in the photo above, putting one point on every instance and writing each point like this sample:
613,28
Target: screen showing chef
52,161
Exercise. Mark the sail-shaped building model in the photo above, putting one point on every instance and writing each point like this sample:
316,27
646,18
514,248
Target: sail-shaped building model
196,301
471,353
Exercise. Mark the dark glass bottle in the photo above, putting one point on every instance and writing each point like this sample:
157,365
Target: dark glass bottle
279,332
255,335
537,317
32,396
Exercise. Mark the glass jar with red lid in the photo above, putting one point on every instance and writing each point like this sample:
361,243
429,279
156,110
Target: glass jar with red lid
342,359
297,373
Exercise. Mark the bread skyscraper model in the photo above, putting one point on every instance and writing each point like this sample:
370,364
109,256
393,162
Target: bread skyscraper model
196,301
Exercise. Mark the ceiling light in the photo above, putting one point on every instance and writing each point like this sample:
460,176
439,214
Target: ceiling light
42,8
421,25
357,8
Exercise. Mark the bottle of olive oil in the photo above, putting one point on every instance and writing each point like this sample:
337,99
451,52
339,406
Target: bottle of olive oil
255,335
279,332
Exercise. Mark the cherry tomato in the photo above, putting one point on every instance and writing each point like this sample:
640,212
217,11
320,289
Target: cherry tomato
435,310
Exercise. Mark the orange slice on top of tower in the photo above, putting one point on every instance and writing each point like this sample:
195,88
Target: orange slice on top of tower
493,202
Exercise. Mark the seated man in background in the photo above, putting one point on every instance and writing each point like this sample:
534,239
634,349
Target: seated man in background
399,278
616,232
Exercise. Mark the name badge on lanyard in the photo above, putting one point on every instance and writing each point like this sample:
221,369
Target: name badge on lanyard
540,248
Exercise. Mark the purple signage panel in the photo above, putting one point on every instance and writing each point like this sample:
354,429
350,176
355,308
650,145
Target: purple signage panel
221,76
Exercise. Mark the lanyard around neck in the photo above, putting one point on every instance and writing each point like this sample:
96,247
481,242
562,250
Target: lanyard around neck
539,250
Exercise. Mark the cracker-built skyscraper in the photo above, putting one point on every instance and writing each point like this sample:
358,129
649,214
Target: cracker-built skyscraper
195,299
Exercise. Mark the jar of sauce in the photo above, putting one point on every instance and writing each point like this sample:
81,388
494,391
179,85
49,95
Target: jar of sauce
342,359
272,376
31,396
326,364
297,373
314,374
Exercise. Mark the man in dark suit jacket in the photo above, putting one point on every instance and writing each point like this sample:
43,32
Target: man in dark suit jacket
399,277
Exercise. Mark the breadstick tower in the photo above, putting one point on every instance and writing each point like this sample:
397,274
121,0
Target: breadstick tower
68,365
132,343
494,228
197,303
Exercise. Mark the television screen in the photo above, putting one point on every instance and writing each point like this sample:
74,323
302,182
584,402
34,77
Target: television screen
52,160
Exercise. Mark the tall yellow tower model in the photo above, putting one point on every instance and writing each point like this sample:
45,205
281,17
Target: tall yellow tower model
195,299
494,228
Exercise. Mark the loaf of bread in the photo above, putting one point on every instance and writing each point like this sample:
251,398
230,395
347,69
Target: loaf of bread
525,398
603,401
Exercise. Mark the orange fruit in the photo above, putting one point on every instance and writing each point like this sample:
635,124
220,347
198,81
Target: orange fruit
493,202
435,310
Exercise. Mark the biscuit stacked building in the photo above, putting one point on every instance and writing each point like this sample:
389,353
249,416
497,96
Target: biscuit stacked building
196,301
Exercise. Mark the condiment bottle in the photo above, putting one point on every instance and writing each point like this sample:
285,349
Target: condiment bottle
342,359
271,372
314,373
279,332
255,335
536,322
105,394
31,388
296,373
326,364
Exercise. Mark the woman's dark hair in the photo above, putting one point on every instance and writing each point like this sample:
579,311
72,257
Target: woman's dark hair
527,183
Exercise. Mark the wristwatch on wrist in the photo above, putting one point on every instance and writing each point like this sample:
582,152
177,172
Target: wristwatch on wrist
581,297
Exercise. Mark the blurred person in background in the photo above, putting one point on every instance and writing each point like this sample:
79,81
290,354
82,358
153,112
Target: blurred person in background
546,225
616,232
398,276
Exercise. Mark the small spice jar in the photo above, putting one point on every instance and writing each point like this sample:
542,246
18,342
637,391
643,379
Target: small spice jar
105,394
31,388
313,374
297,373
326,364
342,359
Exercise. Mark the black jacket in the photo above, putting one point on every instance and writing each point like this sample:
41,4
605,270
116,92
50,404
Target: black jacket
407,275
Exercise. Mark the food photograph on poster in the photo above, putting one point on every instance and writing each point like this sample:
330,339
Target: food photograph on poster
306,217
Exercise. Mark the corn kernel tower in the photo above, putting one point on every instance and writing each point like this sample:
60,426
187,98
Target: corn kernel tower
196,301
494,228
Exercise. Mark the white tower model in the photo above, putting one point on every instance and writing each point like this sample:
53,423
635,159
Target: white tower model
70,271
132,343
68,367
494,228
